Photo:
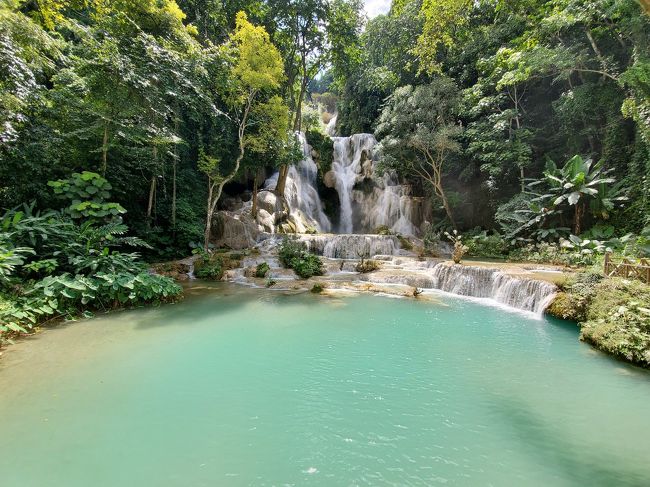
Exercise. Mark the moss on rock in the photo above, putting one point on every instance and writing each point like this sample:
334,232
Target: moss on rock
613,313
618,320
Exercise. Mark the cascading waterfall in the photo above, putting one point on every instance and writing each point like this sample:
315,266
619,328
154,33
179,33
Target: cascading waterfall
301,191
330,129
472,281
481,282
351,246
383,202
347,167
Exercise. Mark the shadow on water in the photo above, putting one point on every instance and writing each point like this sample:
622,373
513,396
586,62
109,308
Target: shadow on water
545,443
208,300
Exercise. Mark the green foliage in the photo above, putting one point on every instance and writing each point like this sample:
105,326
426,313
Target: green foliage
492,246
53,266
87,193
613,314
293,255
262,270
317,288
209,267
66,295
324,147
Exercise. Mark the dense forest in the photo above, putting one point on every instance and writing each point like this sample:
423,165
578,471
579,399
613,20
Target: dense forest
520,122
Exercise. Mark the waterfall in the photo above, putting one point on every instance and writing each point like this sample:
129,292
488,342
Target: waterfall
482,282
330,128
351,246
381,202
301,191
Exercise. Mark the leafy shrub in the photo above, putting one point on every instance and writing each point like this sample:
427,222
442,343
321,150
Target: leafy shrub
366,266
405,243
87,193
53,266
289,250
68,295
308,265
294,255
324,148
209,268
317,288
484,245
262,270
383,230
618,319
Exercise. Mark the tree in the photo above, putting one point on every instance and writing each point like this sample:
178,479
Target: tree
418,133
441,19
301,32
578,182
255,73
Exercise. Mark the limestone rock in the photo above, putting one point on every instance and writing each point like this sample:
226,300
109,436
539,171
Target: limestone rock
235,230
329,180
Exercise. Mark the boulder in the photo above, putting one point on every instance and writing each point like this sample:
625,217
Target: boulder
269,201
266,220
329,179
235,230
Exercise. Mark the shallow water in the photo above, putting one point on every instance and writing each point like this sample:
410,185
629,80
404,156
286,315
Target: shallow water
255,387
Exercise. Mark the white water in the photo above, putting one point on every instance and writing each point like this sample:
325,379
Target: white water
351,246
472,281
383,202
301,192
330,128
481,282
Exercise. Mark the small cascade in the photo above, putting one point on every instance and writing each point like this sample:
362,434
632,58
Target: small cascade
330,128
481,282
351,246
306,207
381,202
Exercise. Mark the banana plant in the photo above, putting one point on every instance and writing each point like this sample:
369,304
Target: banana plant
577,182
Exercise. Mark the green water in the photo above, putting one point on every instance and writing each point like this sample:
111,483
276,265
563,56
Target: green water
239,387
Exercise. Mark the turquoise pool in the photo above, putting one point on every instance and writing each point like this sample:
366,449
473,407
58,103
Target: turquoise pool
254,387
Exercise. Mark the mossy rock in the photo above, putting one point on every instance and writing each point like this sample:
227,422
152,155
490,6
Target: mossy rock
317,288
613,313
618,320
405,243
367,266
262,270
567,307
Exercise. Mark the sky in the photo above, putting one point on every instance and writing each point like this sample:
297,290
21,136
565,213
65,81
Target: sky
377,7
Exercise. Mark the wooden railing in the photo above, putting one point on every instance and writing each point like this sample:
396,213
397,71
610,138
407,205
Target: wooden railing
626,268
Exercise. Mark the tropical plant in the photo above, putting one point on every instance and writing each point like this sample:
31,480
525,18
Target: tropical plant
87,193
294,255
460,249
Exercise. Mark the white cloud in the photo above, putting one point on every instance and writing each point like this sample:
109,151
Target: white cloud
377,7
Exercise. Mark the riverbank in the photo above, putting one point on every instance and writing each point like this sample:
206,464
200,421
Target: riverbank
613,314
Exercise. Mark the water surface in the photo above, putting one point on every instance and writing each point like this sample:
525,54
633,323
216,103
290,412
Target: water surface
255,387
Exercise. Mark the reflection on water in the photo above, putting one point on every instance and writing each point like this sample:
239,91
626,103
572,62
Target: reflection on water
234,386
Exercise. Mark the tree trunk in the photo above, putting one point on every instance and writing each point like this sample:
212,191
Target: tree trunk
297,123
577,219
282,180
210,212
174,165
445,204
152,188
255,188
105,149
152,192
